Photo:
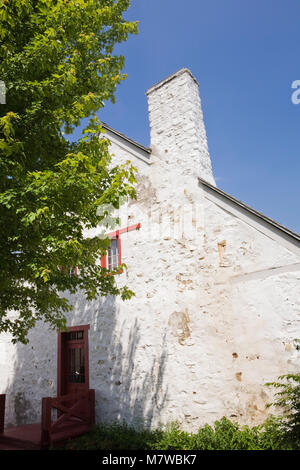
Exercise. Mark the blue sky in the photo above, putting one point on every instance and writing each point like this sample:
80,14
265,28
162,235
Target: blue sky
245,56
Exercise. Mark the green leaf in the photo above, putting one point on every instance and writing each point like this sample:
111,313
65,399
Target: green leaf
58,64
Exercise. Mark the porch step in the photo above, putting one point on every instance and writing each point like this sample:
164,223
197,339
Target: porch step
26,437
10,447
9,443
76,416
69,433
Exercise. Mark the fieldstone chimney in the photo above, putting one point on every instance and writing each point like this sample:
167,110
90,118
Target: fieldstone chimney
178,133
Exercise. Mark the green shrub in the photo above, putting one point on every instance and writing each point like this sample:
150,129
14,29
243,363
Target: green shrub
224,435
287,398
115,436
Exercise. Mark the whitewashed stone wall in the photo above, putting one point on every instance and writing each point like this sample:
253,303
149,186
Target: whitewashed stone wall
217,295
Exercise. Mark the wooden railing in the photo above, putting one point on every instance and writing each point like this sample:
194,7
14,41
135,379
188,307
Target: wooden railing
75,415
2,413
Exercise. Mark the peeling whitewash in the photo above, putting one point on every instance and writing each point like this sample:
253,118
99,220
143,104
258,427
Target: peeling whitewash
217,294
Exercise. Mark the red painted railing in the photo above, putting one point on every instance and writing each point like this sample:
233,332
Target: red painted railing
2,413
75,415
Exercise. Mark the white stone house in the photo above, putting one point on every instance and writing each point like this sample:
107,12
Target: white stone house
217,303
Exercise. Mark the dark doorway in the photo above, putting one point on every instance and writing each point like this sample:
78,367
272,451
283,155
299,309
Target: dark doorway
73,360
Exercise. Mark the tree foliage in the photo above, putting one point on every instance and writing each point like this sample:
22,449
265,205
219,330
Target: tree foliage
58,65
287,399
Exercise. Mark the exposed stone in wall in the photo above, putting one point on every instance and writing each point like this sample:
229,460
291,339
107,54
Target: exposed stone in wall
179,323
22,408
146,194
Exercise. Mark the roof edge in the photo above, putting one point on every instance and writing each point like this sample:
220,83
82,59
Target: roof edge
123,136
270,221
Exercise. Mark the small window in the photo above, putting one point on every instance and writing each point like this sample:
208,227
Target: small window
75,335
69,271
113,258
113,254
76,365
73,271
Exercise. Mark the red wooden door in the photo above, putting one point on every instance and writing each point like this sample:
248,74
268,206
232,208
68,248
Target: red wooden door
73,361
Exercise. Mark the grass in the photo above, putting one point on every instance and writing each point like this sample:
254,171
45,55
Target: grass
223,435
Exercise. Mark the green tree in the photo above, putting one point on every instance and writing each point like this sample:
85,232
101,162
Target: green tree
287,399
58,66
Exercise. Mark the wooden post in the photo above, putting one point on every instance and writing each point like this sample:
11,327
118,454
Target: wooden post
46,422
2,413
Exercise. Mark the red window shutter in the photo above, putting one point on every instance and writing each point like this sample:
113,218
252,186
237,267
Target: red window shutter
117,235
120,254
103,262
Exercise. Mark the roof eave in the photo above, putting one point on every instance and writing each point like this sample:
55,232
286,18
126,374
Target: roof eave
282,228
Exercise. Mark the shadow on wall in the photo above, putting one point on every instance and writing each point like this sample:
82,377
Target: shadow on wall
126,373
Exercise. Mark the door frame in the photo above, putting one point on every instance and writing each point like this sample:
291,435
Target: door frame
62,359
